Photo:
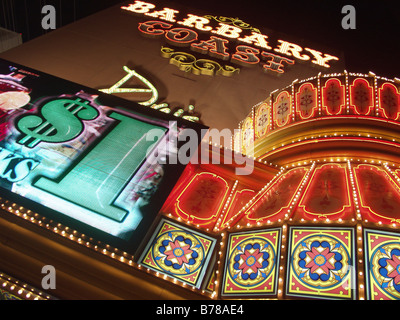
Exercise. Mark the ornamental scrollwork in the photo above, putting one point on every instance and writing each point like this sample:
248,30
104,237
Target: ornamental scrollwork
189,63
234,22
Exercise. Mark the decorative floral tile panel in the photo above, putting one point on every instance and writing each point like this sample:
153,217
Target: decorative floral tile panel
251,264
382,265
321,263
179,252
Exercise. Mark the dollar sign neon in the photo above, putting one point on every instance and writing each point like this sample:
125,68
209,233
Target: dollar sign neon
96,181
60,121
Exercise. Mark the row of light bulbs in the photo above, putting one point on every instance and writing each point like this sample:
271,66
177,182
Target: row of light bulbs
331,135
356,200
21,290
346,74
84,240
112,252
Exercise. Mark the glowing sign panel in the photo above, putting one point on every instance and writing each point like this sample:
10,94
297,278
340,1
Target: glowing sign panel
282,108
319,263
379,197
306,101
361,96
333,96
382,251
252,264
327,195
177,33
81,155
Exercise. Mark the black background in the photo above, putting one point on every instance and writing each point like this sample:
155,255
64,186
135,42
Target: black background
372,46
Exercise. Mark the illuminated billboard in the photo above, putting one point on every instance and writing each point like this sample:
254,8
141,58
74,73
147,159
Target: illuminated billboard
84,158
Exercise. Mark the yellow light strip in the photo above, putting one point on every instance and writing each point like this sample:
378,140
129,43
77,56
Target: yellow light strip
21,289
81,239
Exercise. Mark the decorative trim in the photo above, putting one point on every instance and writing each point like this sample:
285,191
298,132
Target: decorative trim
234,22
189,63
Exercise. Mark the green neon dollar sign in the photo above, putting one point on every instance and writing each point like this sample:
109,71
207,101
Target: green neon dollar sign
60,121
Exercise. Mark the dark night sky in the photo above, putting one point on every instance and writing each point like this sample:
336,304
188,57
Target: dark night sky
372,46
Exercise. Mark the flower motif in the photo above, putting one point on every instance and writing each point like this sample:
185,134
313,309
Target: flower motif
361,94
178,252
306,101
395,274
262,120
251,261
333,94
389,100
390,267
283,107
321,261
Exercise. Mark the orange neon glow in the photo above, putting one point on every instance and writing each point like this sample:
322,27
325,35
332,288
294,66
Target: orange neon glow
338,117
378,194
166,14
361,96
193,21
274,62
237,140
152,28
296,144
291,49
333,96
306,101
257,39
397,176
183,181
139,7
239,199
262,120
227,30
246,56
181,36
215,47
282,108
327,194
200,202
389,101
319,59
247,136
274,202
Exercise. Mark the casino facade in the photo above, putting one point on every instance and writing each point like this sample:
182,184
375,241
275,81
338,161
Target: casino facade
317,216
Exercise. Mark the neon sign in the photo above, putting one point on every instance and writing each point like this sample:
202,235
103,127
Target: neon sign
250,49
361,93
187,62
202,199
282,108
389,98
306,101
163,107
333,96
83,156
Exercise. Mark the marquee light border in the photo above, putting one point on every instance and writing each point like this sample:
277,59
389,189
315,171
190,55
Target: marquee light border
345,208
